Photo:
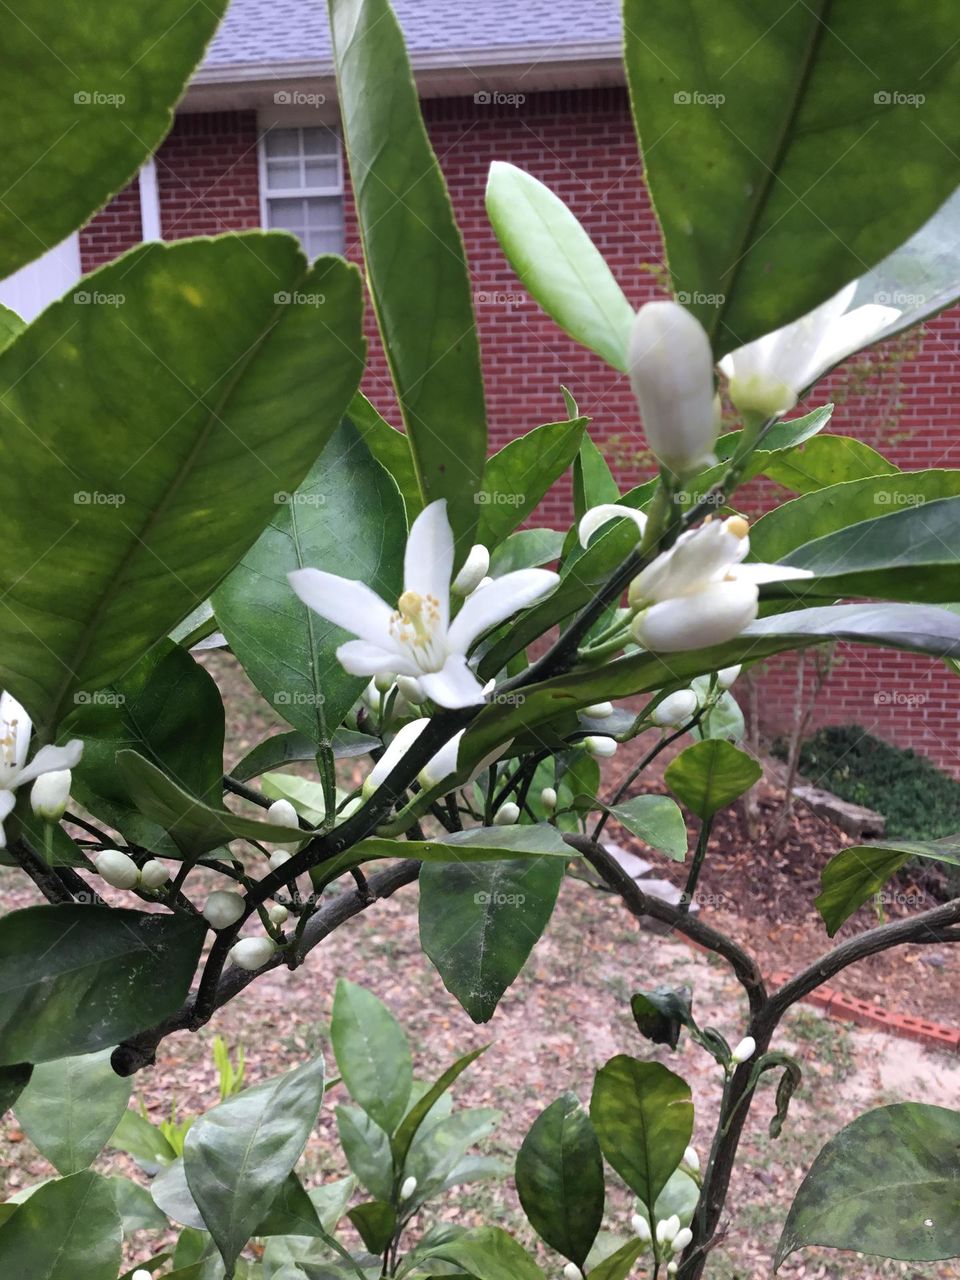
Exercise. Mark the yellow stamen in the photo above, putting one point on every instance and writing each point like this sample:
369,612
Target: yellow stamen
738,526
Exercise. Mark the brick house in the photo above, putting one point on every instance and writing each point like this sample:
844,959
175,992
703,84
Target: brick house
255,143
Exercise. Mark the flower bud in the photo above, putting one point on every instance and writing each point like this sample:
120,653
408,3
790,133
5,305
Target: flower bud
507,814
252,953
711,616
50,793
117,869
408,1188
153,874
599,711
675,709
691,1160
383,681
667,1229
282,814
744,1050
641,1227
572,1272
671,371
474,571
223,908
141,1274
410,690
548,798
682,1239
597,517
601,747
672,1268
278,858
726,676
278,914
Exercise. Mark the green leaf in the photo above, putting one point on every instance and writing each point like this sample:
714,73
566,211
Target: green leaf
886,1185
560,1178
418,1113
661,1014
480,921
287,650
619,1265
710,775
67,1229
372,1053
769,183
488,1253
643,1116
516,478
196,828
593,481
415,261
657,821
284,748
291,1212
826,460
237,1155
475,844
102,81
680,1196
71,1107
854,875
10,326
136,1206
391,448
169,710
143,1141
74,979
13,1080
557,262
235,394
526,549
376,1222
367,1149
306,796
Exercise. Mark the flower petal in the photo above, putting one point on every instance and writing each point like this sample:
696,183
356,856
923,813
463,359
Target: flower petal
360,658
598,516
398,747
345,602
7,801
712,616
428,560
48,759
760,573
850,333
454,686
496,602
15,727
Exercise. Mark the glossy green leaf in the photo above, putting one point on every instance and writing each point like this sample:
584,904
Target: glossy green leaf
854,875
560,1178
391,448
101,81
526,549
488,1253
169,710
74,979
71,1107
196,828
10,326
480,921
593,481
475,844
767,136
142,1140
287,650
680,1196
661,1014
415,261
291,1212
284,748
306,796
422,1108
235,395
657,821
619,1265
710,775
643,1117
237,1155
376,1222
372,1053
137,1208
886,1184
67,1229
824,461
367,1149
13,1081
557,262
516,478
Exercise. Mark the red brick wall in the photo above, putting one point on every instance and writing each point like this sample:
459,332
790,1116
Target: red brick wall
581,144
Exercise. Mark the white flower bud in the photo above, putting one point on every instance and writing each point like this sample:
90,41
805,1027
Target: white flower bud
711,616
408,1188
141,1274
597,517
691,1160
675,710
602,747
282,814
507,814
671,371
667,1229
682,1239
252,953
572,1272
672,1268
50,793
726,676
278,858
474,571
223,908
410,689
153,874
117,869
383,681
744,1050
278,914
641,1227
599,711
548,798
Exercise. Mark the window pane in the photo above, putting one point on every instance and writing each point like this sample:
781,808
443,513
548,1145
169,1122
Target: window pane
318,242
324,211
319,142
287,215
323,173
282,142
283,173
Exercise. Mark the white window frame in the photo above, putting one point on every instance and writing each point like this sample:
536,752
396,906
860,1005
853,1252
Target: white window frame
296,120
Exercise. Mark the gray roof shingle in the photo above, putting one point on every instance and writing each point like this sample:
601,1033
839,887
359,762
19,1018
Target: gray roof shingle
295,31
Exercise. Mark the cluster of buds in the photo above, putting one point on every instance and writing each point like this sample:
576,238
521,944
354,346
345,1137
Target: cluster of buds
671,1237
679,707
119,870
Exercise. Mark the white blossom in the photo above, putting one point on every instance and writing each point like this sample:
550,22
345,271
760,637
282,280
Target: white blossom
15,729
675,709
252,953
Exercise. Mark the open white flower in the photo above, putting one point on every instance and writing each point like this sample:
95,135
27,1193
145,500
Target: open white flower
768,375
15,729
698,593
417,638
443,764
